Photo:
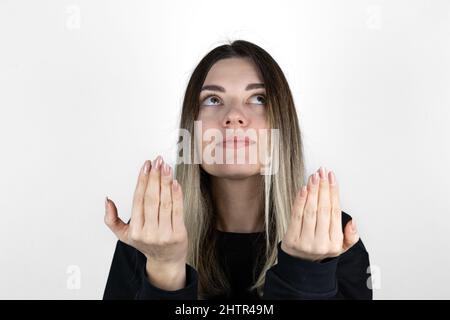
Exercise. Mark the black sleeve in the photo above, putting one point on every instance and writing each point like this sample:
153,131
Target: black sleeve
128,279
150,292
353,274
343,277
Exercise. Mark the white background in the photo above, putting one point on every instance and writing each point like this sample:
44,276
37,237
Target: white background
90,89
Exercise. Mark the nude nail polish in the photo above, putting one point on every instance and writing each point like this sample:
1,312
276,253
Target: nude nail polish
166,169
322,173
157,163
146,167
332,178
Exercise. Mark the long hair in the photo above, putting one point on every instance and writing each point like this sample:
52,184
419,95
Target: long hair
278,190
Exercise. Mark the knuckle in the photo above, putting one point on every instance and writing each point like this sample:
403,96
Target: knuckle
165,180
175,208
296,214
179,237
313,190
289,244
176,196
139,193
310,212
142,181
321,249
108,221
334,188
165,205
335,249
134,236
150,239
305,247
152,196
324,210
164,241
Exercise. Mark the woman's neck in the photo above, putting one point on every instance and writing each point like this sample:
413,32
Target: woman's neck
238,204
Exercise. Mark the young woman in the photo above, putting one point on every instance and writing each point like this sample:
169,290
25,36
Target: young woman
224,230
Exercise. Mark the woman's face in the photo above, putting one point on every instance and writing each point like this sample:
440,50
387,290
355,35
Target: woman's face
233,102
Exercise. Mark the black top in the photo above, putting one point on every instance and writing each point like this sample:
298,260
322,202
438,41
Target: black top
343,277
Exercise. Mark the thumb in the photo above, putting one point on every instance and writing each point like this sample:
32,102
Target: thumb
112,220
351,235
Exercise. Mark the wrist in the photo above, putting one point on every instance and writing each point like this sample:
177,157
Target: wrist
166,276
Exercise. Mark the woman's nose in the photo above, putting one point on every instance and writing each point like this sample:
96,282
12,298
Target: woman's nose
235,118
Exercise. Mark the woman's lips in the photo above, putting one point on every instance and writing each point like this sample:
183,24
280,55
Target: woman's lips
236,142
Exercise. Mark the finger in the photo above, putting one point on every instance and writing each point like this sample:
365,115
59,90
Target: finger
323,207
351,235
165,202
137,211
336,235
151,198
112,220
295,226
310,212
177,208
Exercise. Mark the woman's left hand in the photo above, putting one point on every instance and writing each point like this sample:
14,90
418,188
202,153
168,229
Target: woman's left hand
315,229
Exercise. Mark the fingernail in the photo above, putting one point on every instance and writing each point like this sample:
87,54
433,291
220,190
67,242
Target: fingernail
106,202
175,185
322,173
166,169
332,178
315,178
146,167
157,163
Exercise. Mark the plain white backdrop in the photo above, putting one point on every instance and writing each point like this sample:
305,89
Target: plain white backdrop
90,89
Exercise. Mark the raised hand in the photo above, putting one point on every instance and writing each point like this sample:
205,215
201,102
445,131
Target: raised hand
157,226
315,230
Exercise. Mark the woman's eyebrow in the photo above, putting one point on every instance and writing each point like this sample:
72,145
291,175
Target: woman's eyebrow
214,87
255,86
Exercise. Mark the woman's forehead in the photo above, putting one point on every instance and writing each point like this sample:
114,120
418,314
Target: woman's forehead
233,72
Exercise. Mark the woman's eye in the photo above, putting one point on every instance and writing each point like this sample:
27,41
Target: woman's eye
210,101
260,99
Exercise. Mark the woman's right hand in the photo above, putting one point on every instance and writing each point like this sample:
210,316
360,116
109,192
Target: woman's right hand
157,226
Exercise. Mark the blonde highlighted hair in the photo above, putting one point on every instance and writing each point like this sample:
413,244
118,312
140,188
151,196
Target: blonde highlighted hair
279,189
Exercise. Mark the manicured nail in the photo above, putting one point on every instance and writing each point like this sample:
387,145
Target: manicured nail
157,163
146,168
315,178
166,169
332,178
322,173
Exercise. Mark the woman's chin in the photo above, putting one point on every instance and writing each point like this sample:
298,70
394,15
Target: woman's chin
232,171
